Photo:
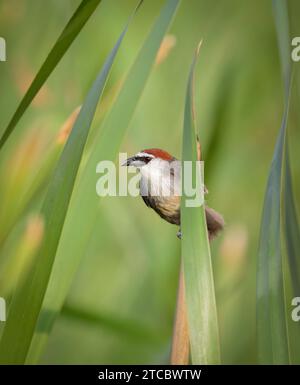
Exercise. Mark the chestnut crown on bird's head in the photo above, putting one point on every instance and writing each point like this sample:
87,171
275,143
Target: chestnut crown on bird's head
145,156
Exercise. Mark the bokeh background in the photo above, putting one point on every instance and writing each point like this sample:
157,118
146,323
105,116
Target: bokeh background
120,307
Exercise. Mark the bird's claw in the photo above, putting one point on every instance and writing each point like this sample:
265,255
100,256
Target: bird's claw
179,234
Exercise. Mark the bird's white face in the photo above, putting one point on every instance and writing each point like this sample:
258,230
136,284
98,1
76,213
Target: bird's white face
159,177
156,178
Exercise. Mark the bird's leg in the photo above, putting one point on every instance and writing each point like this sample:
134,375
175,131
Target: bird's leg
179,235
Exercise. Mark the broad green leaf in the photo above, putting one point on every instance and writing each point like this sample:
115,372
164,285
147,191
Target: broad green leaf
271,322
84,208
197,266
27,301
68,35
271,317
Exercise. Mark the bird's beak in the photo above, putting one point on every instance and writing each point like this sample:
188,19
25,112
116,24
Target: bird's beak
128,161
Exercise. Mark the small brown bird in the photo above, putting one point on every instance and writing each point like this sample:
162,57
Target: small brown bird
165,182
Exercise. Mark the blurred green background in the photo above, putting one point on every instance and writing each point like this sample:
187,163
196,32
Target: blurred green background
120,307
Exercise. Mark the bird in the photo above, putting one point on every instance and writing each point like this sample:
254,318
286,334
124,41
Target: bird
165,182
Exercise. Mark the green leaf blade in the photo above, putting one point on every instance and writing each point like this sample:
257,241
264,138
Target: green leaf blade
84,207
200,293
27,301
272,333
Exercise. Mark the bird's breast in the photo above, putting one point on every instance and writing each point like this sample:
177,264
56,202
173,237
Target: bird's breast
162,199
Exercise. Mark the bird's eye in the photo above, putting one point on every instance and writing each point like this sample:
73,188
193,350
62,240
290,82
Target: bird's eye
146,159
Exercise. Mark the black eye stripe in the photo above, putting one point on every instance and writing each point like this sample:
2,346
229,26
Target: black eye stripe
145,159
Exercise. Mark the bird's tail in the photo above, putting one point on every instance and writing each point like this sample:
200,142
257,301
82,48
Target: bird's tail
215,222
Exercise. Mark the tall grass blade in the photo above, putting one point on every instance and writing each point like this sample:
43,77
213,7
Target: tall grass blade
271,317
198,274
27,301
84,208
68,35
